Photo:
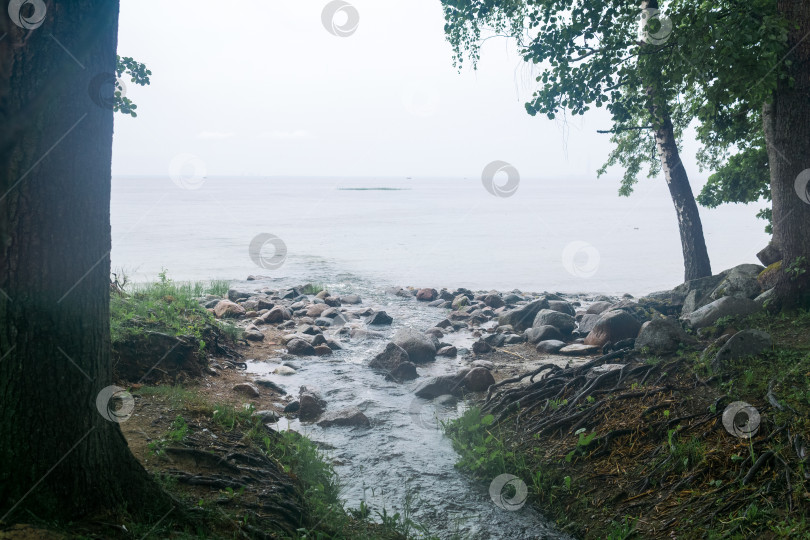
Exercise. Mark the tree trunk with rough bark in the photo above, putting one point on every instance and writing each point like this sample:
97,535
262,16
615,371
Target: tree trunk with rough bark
695,255
59,457
787,131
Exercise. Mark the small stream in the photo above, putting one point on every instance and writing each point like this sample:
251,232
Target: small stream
404,455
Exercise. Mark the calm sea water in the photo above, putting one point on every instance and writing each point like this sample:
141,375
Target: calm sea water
563,235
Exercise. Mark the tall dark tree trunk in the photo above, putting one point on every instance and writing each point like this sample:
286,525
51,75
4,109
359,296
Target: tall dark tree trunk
787,131
59,458
695,255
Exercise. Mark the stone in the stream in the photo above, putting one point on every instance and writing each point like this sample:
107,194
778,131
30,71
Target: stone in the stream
284,370
311,404
323,350
460,301
439,386
482,347
350,299
271,385
420,347
579,349
332,301
405,371
351,417
562,306
478,379
543,333
728,306
246,389
512,339
264,303
741,345
613,326
662,336
427,295
448,351
523,317
443,324
362,333
379,318
225,309
323,322
435,332
299,347
392,356
292,407
551,346
315,310
561,321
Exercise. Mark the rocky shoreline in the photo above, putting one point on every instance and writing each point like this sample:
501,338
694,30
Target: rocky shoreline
554,325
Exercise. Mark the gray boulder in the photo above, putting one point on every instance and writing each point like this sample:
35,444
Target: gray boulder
379,318
420,347
299,347
741,345
728,306
439,386
598,307
478,379
551,346
523,317
561,321
562,306
587,322
390,358
351,417
613,326
740,281
662,336
405,371
310,404
543,333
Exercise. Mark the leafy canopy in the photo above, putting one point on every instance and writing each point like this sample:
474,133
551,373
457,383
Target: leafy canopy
708,64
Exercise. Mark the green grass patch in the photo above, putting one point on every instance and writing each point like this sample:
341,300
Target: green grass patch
168,307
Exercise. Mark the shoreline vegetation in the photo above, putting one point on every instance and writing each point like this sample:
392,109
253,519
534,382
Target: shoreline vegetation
609,410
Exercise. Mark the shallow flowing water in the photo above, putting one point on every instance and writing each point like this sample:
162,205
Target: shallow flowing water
405,451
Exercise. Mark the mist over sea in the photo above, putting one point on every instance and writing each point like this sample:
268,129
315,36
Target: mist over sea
567,235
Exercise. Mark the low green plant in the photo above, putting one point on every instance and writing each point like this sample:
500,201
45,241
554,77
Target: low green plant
312,288
622,530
